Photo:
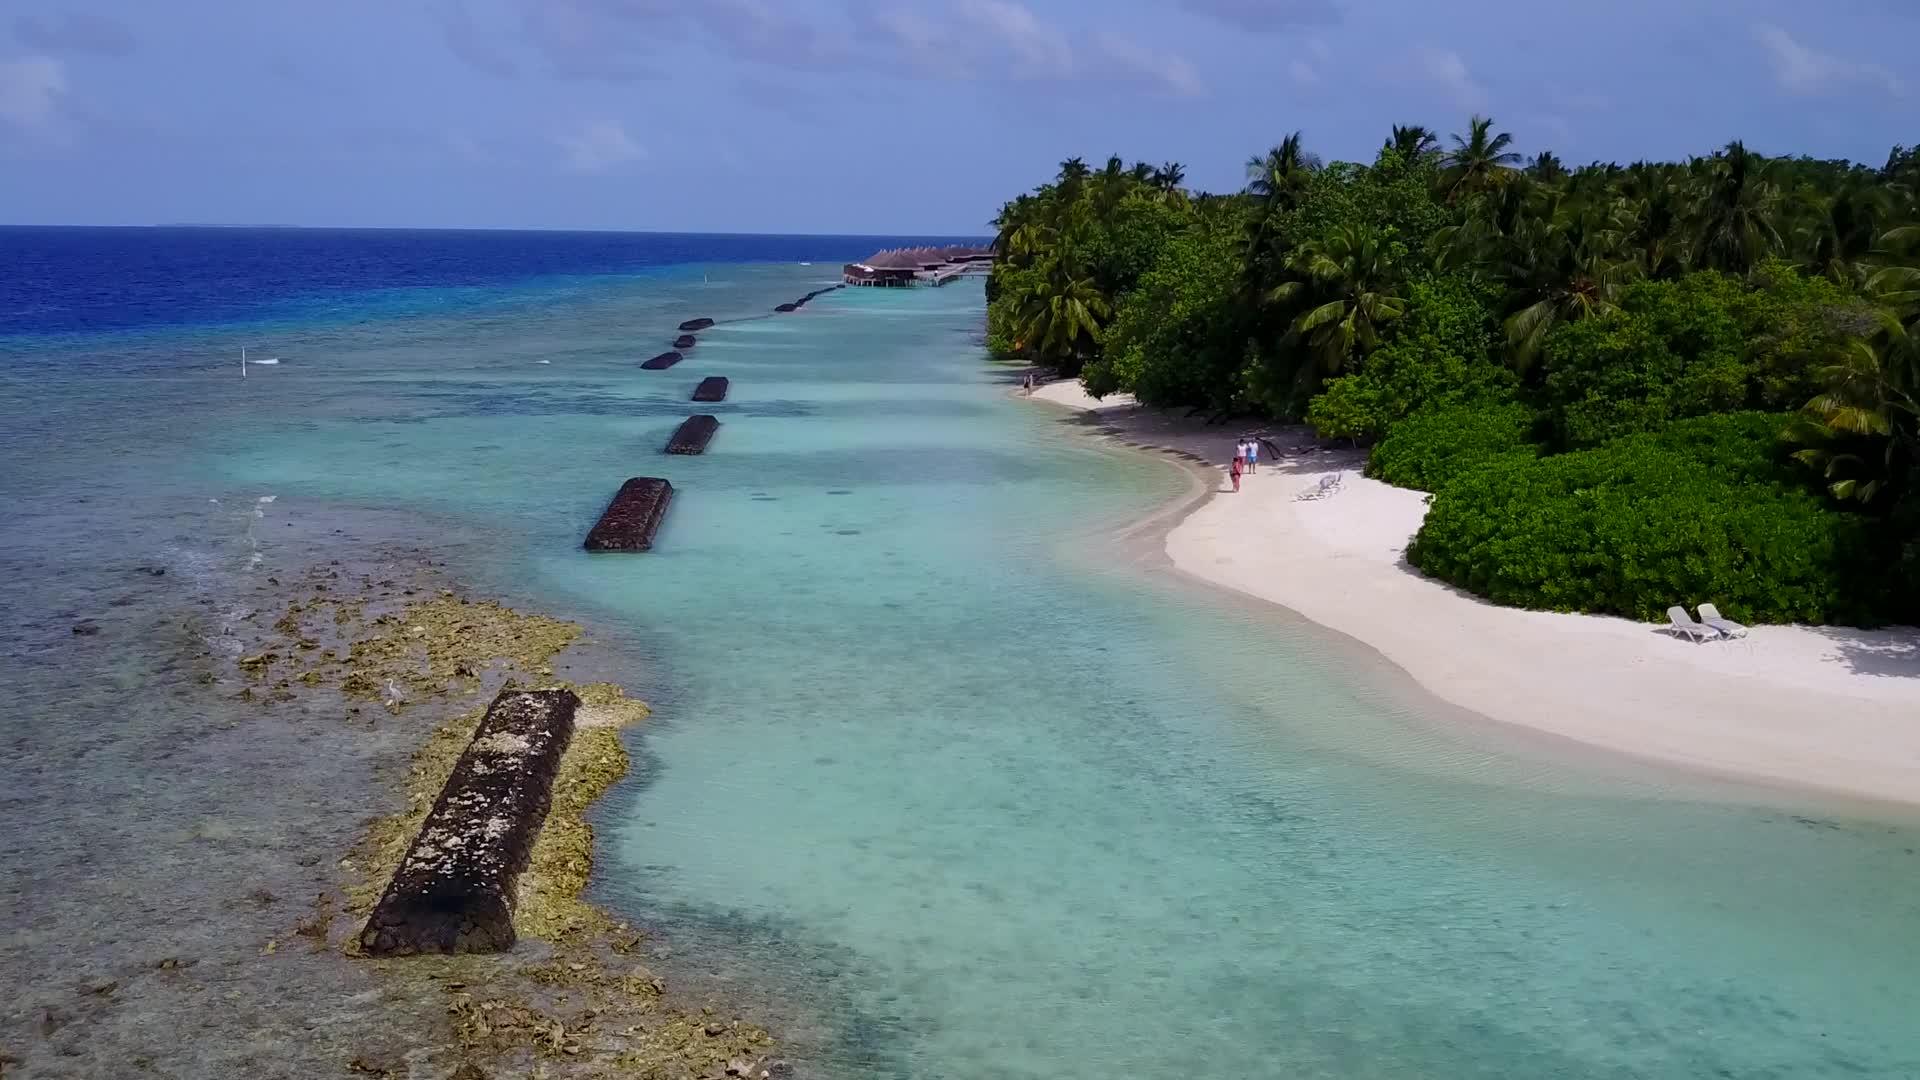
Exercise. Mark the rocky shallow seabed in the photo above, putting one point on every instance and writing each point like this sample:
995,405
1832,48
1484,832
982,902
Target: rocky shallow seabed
401,665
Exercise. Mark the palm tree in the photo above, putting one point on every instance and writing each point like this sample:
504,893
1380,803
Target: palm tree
1073,176
1546,168
1841,228
1169,176
1864,431
1562,269
1344,282
1738,213
1895,283
1280,175
1141,173
1022,232
1655,204
1109,186
1413,142
1061,316
1478,162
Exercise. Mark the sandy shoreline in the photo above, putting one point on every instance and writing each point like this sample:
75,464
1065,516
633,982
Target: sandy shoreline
1823,708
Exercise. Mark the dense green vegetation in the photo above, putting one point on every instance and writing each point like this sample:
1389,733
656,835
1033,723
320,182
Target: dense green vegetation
1626,386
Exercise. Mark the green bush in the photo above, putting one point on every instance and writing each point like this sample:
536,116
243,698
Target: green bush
1674,350
1133,238
1706,343
1440,353
1692,513
1429,449
1179,338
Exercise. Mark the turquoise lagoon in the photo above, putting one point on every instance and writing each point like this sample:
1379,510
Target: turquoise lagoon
946,781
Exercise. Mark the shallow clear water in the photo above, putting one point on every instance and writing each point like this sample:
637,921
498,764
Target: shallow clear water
944,773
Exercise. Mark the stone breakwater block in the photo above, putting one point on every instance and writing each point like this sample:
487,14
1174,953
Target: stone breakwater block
693,435
685,341
632,517
454,892
711,388
695,324
784,308
662,362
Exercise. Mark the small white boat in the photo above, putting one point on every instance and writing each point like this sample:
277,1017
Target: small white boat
244,361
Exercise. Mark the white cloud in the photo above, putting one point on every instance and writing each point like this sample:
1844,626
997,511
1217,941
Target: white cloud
1446,70
993,41
1163,71
1805,70
1006,40
624,39
1266,16
1308,71
466,40
1039,50
32,90
1553,123
599,146
908,28
1584,100
466,147
74,31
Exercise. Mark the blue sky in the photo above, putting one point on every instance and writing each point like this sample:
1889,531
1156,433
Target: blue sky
865,116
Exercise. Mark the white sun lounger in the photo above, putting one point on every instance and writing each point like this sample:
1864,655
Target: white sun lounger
1328,485
1683,624
1710,616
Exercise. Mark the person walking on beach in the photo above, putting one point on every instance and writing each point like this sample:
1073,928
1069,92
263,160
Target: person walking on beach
1239,458
1253,455
1027,384
1234,469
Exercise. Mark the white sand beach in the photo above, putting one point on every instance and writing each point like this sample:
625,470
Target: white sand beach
1818,707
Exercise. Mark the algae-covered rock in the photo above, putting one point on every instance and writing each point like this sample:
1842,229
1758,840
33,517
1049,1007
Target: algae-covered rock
454,890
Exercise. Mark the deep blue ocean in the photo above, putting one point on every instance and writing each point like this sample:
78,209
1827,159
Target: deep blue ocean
56,280
943,779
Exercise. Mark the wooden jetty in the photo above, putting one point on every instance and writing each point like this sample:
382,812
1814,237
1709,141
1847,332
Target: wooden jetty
454,890
711,388
633,516
662,362
693,435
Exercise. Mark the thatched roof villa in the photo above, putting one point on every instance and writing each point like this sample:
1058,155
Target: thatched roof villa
902,267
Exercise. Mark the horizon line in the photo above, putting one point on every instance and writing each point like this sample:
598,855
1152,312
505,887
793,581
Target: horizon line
487,228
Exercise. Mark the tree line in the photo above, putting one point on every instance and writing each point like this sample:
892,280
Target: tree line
1626,386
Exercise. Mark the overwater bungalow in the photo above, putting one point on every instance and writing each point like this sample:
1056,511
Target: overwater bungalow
905,267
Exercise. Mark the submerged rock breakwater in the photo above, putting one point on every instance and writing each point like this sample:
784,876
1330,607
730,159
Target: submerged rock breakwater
454,890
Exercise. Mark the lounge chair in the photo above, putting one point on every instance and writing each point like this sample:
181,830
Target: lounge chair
1327,486
1683,624
1710,616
